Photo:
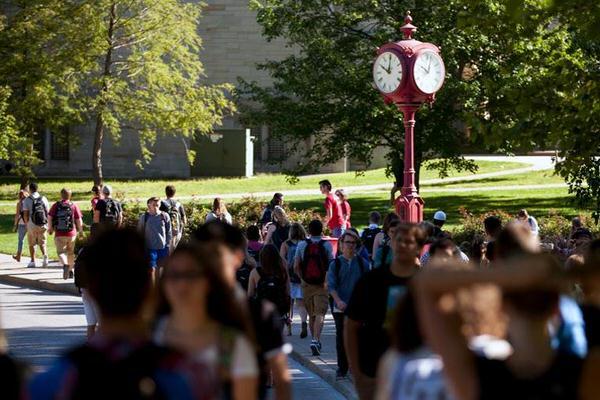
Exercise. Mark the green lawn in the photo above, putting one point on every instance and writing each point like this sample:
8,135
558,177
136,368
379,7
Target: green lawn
259,183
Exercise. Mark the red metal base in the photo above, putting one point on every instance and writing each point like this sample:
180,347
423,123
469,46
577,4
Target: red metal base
410,208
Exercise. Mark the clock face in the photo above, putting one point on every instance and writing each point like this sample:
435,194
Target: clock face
428,72
387,72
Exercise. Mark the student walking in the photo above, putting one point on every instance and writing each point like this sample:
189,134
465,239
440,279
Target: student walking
20,226
312,262
288,252
279,230
108,211
176,214
219,212
368,235
35,214
371,305
96,196
65,221
344,207
334,218
344,273
267,214
155,226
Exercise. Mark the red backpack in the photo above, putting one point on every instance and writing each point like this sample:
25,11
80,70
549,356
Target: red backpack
315,262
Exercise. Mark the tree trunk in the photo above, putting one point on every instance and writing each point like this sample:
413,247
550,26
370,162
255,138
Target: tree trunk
99,131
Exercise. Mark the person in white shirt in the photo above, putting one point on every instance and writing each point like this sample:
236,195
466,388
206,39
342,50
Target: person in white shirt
35,214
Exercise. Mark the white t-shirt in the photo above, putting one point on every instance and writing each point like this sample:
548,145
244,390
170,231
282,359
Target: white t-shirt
412,376
243,358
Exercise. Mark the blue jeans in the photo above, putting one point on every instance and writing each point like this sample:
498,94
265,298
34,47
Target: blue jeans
157,255
22,231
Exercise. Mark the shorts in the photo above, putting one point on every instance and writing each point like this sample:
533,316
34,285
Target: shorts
36,235
296,291
157,255
316,299
89,308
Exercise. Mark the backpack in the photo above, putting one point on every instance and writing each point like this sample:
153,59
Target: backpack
99,377
273,289
242,275
315,262
385,251
63,221
291,255
368,238
39,214
173,211
111,212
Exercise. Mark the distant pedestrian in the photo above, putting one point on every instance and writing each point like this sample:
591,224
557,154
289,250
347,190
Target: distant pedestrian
155,226
279,230
20,226
345,207
492,226
35,215
439,219
219,212
531,222
288,252
255,243
333,212
65,222
382,236
177,215
344,272
385,253
267,214
108,211
370,232
96,196
311,265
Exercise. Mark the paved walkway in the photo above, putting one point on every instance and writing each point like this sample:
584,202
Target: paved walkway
50,278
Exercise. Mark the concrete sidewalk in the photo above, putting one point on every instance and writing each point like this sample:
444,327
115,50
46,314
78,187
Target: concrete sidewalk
50,278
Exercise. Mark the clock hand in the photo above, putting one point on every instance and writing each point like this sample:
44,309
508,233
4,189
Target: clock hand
429,65
389,70
423,68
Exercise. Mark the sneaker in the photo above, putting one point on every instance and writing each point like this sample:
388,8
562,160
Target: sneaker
71,274
31,265
45,262
315,348
339,375
304,332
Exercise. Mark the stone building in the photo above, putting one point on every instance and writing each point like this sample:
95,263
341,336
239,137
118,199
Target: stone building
233,45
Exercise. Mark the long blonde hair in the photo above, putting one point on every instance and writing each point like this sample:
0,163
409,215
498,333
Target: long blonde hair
280,217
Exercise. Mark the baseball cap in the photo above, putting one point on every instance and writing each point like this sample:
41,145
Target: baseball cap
439,215
106,189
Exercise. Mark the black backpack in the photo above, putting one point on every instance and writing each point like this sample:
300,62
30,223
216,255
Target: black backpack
39,213
368,237
63,221
315,262
280,235
111,212
173,210
99,377
273,289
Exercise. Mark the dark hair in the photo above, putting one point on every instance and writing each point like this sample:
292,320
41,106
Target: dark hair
375,217
33,187
253,233
406,333
96,189
222,233
315,227
221,304
326,183
117,270
492,225
442,244
170,190
522,213
276,200
514,240
388,220
152,200
272,263
65,194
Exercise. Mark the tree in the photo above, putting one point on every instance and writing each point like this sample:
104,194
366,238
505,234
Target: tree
128,66
324,87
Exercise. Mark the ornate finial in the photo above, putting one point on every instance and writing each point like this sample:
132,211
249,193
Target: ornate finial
408,28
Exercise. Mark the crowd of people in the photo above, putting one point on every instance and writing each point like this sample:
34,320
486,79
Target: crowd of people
416,315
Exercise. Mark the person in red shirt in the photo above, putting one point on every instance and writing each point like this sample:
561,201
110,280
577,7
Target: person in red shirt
344,206
333,212
65,220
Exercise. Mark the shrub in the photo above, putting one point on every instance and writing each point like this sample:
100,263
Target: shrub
472,225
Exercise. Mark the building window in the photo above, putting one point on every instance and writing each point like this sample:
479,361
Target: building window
276,148
59,145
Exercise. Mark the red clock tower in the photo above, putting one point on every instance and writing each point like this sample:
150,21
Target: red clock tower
408,73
